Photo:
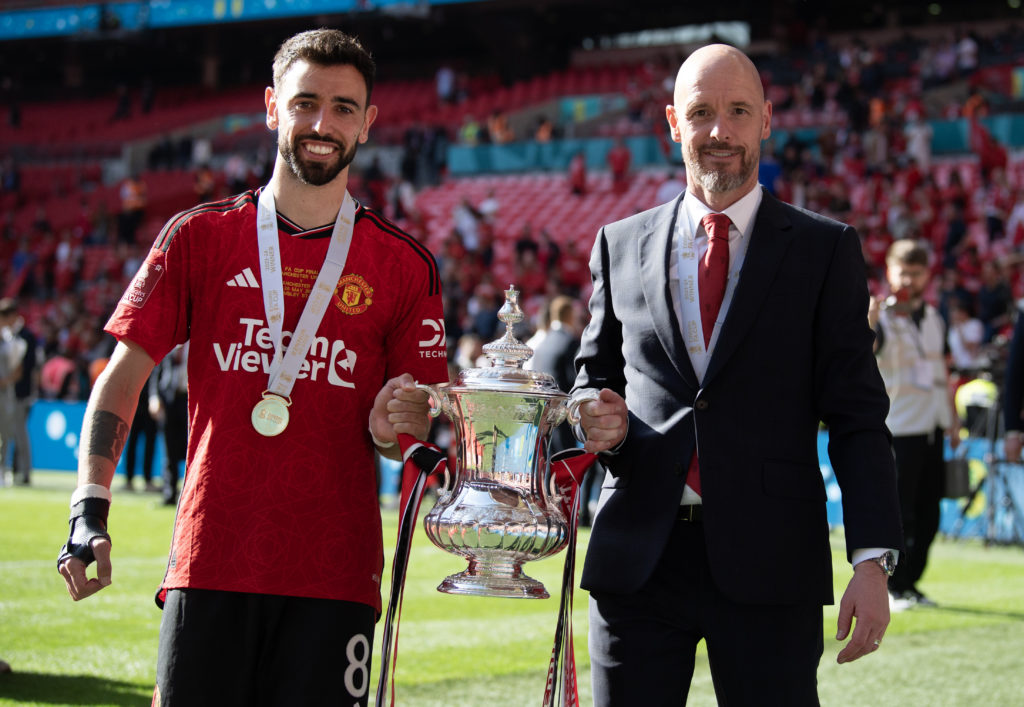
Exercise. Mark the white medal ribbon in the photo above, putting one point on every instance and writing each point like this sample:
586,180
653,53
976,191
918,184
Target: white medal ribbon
284,369
689,299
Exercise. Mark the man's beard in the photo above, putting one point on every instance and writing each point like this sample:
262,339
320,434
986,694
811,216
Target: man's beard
719,181
315,173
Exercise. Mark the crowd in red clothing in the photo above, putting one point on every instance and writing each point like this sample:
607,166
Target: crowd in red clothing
869,165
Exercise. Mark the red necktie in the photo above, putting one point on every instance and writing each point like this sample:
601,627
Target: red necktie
713,271
712,274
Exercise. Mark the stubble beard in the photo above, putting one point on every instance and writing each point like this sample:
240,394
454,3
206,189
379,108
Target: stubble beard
315,173
717,181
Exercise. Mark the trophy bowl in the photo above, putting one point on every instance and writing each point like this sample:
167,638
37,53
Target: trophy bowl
500,509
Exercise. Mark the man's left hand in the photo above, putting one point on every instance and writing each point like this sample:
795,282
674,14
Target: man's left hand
867,599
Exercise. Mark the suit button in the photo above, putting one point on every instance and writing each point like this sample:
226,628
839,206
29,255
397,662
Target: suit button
701,404
680,470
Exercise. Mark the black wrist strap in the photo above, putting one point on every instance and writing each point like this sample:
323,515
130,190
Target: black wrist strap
88,521
98,507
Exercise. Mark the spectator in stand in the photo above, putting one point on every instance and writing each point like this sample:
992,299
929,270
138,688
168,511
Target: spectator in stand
376,185
545,130
498,128
671,188
549,253
444,82
578,174
204,184
403,201
1015,221
573,269
466,219
991,154
919,134
237,172
966,53
950,292
488,208
525,241
10,175
619,158
469,131
133,208
994,299
966,337
875,244
956,232
993,201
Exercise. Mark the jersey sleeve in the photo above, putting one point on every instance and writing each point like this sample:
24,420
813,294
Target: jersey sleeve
153,311
417,344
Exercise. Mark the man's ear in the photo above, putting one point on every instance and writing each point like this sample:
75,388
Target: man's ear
270,99
673,123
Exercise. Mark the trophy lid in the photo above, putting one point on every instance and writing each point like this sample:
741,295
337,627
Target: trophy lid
507,356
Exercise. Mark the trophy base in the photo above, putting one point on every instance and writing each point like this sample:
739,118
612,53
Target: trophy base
476,583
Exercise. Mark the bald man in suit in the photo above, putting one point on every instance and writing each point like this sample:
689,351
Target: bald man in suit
716,346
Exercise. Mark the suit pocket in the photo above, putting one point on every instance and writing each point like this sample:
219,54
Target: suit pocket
793,480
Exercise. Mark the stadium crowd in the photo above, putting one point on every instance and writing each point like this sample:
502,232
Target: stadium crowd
867,103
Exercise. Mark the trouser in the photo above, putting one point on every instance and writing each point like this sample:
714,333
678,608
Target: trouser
143,425
175,443
920,476
22,463
643,645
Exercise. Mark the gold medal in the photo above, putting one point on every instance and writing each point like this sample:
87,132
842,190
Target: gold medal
270,416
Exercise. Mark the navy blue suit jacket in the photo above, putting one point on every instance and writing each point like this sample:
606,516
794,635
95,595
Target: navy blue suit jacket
795,349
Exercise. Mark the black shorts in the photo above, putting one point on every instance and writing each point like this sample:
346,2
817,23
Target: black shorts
226,648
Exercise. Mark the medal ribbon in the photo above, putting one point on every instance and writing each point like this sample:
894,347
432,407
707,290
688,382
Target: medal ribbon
420,459
283,371
567,470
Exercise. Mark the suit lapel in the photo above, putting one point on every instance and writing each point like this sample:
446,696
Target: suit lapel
769,241
655,249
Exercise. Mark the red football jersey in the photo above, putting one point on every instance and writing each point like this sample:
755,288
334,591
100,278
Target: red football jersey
296,514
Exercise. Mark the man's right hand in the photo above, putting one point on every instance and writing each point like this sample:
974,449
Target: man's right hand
604,421
88,540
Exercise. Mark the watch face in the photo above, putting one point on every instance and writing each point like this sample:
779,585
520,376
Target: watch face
888,563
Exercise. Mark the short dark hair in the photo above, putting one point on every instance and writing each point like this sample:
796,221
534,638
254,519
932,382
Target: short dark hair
325,47
562,309
907,251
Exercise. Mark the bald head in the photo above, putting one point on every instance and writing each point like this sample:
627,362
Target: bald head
720,117
717,60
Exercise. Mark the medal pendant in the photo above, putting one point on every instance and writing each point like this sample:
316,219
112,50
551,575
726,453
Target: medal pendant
270,415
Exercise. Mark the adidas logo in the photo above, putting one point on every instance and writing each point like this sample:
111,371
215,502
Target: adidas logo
243,279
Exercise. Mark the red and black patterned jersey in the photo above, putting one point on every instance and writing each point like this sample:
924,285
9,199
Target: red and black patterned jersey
296,514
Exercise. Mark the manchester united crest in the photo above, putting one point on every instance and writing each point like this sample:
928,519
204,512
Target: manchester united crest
353,294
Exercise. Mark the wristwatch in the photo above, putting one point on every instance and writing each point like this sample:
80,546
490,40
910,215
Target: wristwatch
887,561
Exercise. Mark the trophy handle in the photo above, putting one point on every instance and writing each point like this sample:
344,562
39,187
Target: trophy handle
436,401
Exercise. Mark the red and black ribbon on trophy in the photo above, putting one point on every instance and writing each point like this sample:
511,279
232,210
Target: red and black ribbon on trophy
420,460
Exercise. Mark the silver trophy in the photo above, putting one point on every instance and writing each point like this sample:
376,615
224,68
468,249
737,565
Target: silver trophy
500,511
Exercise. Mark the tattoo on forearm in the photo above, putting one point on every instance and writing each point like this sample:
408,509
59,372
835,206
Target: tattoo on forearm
107,435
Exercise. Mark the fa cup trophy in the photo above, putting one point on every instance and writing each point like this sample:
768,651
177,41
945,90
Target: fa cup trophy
501,508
